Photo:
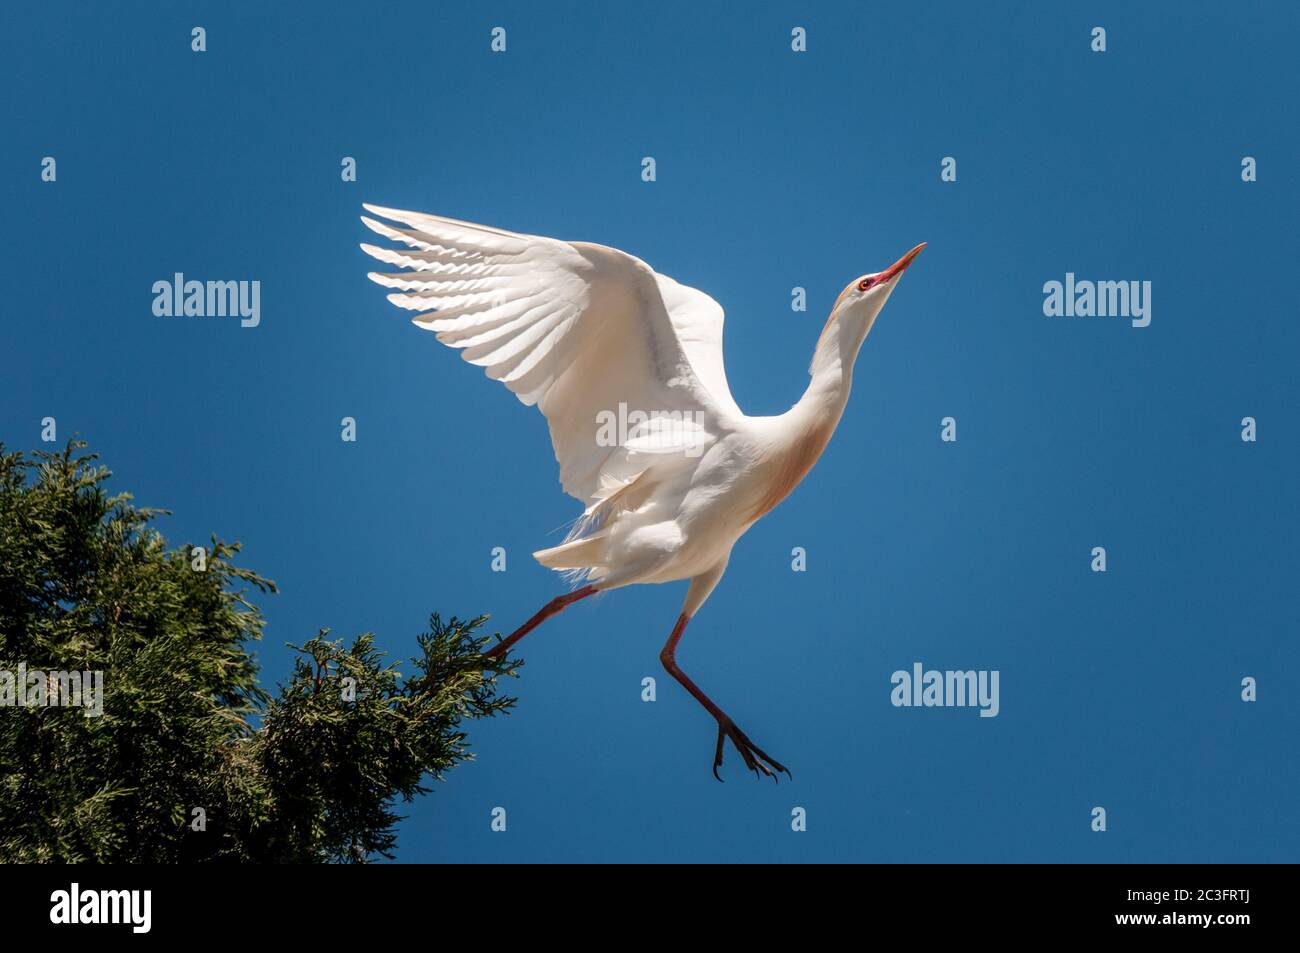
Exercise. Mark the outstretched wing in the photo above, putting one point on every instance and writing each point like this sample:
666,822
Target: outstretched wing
585,332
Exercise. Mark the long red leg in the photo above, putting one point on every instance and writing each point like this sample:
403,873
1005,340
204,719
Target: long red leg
756,759
554,607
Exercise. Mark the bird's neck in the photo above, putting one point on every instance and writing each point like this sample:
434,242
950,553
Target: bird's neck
797,438
830,373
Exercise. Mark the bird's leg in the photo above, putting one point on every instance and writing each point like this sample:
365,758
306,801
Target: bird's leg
756,759
555,606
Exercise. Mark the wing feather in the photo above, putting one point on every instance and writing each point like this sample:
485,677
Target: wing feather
583,331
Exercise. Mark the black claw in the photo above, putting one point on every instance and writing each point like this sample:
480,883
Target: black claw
755,758
717,757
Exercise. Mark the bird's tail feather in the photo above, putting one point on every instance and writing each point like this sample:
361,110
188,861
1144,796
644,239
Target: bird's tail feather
581,553
614,496
581,557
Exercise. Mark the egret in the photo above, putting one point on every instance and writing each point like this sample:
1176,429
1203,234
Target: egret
584,331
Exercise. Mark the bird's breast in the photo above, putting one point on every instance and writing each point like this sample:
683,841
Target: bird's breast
786,465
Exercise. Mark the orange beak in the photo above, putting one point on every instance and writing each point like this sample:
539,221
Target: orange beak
900,266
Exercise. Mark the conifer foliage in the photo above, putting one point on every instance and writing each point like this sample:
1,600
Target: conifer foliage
190,760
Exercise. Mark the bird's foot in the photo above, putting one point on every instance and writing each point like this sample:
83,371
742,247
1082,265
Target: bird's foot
756,759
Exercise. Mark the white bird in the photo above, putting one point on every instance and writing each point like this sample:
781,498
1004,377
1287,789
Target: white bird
593,335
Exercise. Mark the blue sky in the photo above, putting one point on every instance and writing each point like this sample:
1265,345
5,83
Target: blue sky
775,170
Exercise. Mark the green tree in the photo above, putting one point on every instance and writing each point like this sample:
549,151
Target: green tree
310,775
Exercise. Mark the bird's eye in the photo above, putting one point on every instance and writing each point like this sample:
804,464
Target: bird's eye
864,284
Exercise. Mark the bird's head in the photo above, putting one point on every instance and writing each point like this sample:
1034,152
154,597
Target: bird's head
860,302
854,313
